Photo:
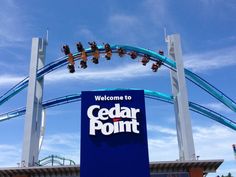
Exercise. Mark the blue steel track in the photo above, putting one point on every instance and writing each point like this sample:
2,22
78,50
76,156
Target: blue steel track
149,94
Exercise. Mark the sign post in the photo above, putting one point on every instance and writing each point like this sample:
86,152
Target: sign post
113,134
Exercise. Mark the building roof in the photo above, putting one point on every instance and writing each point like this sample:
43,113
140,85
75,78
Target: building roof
155,167
208,166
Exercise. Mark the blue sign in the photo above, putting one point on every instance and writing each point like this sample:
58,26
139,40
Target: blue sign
113,134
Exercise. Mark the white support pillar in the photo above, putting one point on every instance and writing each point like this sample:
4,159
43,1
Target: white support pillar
33,117
179,90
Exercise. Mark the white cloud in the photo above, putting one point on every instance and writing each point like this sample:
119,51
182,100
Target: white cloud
160,129
214,142
65,145
62,144
10,155
158,11
163,149
219,107
67,139
127,71
125,27
119,73
86,33
9,79
211,60
160,15
13,26
122,21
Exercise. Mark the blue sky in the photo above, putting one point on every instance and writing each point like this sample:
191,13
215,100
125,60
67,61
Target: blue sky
207,29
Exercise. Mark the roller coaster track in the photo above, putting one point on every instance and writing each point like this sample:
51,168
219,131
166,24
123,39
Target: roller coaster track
148,94
140,51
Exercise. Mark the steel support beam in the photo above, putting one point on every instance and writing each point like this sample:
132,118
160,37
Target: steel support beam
179,90
33,117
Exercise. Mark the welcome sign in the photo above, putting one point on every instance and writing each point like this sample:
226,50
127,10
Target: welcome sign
113,134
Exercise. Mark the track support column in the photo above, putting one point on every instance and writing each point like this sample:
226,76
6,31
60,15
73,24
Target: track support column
179,90
33,117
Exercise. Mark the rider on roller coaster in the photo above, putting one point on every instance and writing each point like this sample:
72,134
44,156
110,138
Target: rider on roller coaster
70,59
108,51
83,62
95,52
